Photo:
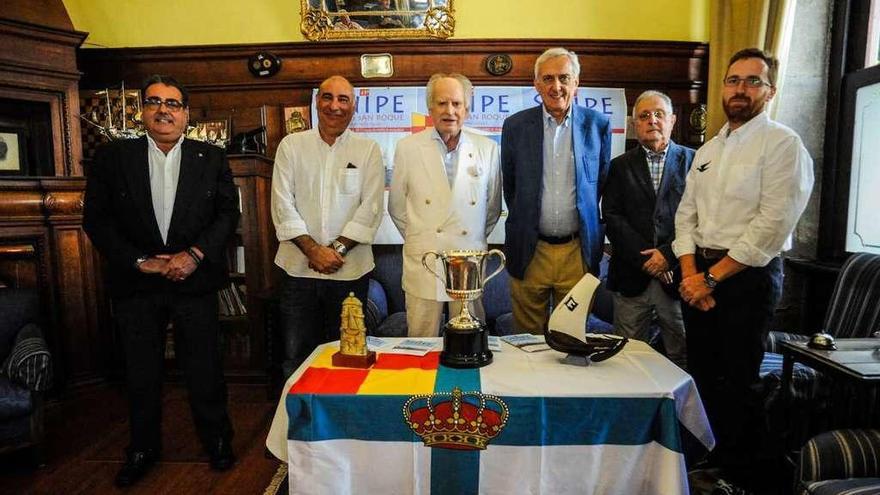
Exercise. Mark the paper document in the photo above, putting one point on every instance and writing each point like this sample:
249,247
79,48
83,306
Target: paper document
494,343
527,342
413,347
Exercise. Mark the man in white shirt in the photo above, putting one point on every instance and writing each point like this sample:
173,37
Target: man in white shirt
445,195
743,197
327,192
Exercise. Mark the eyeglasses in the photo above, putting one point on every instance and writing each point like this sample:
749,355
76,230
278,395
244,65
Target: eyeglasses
657,114
751,81
154,103
564,79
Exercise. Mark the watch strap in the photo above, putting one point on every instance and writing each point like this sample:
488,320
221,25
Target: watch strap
710,280
339,247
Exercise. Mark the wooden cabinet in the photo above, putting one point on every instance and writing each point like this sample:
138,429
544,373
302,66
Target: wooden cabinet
251,255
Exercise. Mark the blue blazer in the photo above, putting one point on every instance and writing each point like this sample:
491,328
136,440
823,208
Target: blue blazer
637,218
522,166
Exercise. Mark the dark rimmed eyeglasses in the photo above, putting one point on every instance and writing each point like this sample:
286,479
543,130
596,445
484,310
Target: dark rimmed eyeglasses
154,103
751,81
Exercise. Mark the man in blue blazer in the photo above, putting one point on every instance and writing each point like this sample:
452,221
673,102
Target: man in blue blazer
554,159
644,188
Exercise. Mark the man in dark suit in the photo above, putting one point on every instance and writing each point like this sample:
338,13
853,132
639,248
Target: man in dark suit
161,210
642,194
554,159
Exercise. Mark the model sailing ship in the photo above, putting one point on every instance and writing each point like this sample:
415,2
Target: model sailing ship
120,127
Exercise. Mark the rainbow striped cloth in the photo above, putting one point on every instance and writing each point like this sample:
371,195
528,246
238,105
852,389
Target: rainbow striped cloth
619,426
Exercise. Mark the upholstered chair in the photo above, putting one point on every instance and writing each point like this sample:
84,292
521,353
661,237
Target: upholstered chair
25,373
853,312
840,462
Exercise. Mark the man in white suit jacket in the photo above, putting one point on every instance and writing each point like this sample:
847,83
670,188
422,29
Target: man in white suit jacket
445,195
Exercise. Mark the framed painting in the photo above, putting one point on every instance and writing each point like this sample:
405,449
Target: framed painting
13,151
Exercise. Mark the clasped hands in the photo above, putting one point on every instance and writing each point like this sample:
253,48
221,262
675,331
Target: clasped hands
656,266
324,259
175,267
693,287
694,291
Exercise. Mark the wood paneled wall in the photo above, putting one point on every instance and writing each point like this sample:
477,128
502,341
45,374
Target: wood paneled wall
42,245
222,85
38,64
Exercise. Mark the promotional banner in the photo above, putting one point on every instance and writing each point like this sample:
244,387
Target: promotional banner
387,114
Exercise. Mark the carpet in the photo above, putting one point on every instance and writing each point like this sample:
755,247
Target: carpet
278,485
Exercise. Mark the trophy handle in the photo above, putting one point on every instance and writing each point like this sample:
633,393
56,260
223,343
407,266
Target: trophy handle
498,253
425,264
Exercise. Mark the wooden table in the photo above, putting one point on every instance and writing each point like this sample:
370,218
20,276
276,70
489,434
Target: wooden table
855,362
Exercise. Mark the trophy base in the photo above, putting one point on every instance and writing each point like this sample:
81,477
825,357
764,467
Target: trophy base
353,361
465,348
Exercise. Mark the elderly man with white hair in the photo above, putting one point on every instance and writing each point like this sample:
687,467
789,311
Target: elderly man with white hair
641,197
445,194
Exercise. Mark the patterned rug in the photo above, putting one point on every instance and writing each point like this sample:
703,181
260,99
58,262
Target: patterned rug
278,485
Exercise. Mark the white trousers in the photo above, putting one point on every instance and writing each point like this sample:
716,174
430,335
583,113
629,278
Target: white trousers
424,316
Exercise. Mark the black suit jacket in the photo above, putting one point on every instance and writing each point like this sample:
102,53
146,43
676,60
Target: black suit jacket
119,218
637,218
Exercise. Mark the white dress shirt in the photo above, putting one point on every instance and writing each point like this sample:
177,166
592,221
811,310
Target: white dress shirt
164,173
326,192
450,158
745,192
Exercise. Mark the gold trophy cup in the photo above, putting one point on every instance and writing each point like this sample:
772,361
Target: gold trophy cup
465,340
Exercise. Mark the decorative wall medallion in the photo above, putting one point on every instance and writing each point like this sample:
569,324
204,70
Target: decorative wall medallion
264,64
498,64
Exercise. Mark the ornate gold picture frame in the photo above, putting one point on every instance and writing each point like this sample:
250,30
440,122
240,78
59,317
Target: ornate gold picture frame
383,19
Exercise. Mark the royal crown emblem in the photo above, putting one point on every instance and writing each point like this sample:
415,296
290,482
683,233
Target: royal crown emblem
456,420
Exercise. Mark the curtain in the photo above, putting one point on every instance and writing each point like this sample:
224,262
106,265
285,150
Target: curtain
738,24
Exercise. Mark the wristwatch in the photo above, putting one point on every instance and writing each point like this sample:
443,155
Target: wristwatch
137,262
339,247
710,280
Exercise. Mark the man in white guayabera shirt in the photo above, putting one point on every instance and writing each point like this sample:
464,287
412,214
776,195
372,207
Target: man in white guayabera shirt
327,189
743,196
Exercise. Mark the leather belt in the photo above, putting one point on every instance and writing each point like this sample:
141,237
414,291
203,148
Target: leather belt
559,240
711,254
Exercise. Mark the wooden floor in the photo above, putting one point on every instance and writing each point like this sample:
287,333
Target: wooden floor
86,437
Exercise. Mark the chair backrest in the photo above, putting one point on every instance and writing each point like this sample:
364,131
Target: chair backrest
18,307
854,310
389,269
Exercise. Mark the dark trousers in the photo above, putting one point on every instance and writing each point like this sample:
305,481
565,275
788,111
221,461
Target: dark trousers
310,310
725,346
142,321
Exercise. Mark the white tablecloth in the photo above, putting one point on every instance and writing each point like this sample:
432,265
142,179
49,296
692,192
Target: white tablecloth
615,427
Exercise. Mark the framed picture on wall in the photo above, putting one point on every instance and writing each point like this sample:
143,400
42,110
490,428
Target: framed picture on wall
296,119
13,151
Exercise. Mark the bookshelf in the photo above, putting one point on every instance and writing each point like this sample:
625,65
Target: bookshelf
251,258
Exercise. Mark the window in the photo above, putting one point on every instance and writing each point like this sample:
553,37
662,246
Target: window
872,50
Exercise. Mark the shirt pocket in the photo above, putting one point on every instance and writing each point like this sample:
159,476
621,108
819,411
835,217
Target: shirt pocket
744,181
349,181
